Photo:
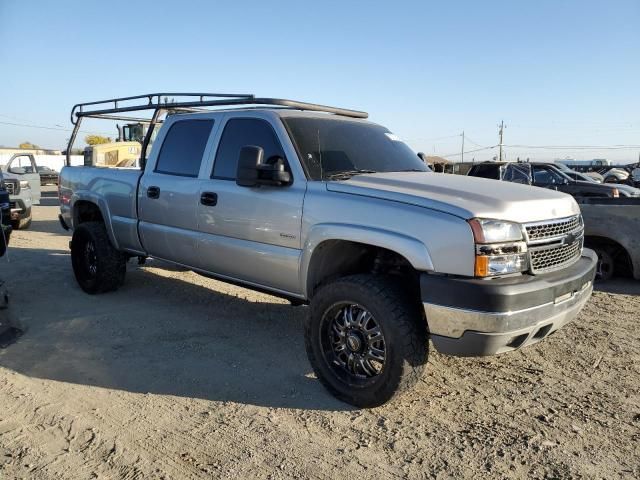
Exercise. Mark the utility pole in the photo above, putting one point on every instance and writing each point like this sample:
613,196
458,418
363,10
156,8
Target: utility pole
462,151
502,127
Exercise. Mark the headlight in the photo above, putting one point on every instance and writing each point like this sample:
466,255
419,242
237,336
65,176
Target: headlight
491,231
24,184
500,249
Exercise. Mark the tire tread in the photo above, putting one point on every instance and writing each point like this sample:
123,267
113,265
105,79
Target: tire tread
405,317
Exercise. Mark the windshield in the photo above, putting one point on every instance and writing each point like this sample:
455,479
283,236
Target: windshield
549,175
332,148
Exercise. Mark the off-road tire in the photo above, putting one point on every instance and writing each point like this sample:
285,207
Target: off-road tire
108,263
402,324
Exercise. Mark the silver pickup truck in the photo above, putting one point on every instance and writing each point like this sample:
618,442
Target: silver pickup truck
322,207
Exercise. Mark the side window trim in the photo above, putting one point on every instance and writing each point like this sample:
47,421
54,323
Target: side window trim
223,127
205,151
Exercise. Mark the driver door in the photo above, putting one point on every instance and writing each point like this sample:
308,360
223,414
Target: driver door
24,166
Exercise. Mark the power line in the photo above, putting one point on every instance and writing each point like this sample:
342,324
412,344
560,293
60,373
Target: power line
468,151
467,139
577,147
51,128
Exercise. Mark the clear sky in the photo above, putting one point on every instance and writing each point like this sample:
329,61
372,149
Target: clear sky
559,73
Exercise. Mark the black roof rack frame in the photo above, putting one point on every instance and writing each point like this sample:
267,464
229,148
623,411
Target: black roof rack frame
191,102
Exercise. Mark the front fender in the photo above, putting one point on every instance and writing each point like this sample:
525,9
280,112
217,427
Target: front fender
410,248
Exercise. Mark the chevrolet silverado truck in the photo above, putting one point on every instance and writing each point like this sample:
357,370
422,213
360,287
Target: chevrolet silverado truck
322,207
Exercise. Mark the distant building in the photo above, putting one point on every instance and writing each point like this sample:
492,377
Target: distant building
34,151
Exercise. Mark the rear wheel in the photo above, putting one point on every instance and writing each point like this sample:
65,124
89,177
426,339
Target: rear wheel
98,267
366,339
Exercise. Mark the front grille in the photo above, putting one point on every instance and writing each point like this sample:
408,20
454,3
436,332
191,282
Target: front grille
554,244
553,257
554,229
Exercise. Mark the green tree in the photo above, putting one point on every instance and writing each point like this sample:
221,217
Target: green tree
96,139
29,145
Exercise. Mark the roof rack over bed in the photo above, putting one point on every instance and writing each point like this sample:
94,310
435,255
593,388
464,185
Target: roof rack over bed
182,102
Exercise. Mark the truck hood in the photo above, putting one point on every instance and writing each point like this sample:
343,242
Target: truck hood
465,197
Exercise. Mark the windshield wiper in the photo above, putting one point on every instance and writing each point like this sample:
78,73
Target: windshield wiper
347,174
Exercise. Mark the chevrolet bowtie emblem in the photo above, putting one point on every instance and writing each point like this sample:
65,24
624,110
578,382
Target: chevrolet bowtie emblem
569,239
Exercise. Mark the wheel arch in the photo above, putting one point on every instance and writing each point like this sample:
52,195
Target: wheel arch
91,208
624,258
337,250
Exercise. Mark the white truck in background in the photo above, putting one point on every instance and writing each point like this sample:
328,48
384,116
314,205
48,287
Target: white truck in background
22,182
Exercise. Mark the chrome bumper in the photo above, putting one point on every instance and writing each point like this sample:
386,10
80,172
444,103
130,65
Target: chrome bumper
474,333
526,312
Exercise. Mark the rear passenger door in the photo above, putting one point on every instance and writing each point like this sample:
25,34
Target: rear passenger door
252,234
168,192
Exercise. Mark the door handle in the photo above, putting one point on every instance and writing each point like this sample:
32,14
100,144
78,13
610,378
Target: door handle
153,192
209,199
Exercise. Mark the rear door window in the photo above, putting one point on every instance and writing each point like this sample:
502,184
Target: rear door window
183,147
238,133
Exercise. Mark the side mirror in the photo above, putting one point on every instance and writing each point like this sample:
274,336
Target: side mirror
17,170
253,171
249,159
422,156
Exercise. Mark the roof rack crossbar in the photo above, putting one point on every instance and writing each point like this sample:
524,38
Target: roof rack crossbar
154,102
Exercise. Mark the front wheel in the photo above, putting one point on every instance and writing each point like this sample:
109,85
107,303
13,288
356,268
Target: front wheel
606,268
366,339
22,223
98,267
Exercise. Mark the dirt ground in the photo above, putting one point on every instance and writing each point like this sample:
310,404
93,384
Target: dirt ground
178,376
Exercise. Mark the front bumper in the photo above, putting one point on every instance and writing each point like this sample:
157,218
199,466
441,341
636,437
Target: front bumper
475,317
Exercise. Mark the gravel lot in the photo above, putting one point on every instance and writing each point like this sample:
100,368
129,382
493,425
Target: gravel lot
179,376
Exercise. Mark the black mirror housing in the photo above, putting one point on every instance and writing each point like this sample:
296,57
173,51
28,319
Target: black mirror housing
248,161
253,171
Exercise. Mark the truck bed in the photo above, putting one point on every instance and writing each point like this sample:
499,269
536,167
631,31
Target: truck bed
114,190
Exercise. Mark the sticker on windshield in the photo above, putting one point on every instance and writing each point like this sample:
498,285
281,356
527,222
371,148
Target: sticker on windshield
393,137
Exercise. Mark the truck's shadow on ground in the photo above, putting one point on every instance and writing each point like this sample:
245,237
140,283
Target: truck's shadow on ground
625,286
159,335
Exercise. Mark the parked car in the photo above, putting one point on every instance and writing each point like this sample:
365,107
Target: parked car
48,176
318,205
546,175
625,190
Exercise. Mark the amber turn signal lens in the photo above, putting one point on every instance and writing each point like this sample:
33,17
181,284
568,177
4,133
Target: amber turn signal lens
482,266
